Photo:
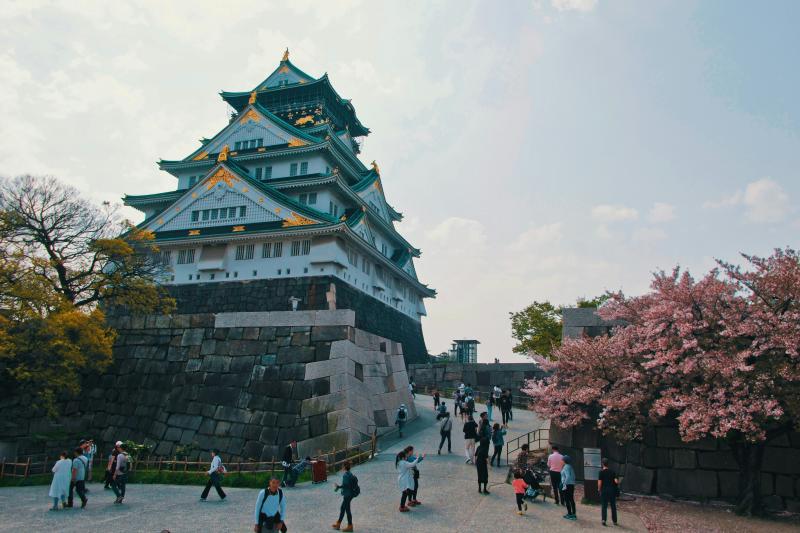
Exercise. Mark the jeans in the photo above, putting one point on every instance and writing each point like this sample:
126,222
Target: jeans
118,485
498,450
404,497
519,496
505,415
608,498
569,499
469,448
286,470
489,409
445,435
214,480
555,482
345,509
80,488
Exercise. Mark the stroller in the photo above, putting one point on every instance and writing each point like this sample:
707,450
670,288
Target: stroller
534,480
296,470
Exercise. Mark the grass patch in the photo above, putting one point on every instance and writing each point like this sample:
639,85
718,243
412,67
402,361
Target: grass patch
165,477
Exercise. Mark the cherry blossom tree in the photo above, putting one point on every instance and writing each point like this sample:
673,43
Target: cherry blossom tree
720,355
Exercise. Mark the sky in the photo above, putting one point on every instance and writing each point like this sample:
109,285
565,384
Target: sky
539,150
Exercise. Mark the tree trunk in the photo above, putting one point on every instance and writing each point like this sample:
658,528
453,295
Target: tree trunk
749,457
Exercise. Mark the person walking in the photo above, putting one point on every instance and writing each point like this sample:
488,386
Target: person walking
445,430
215,473
436,399
78,482
350,490
568,488
400,418
441,411
555,462
489,407
410,457
470,402
504,407
90,453
456,401
519,491
607,486
270,513
120,477
498,439
62,476
470,430
411,389
481,458
110,467
287,460
510,404
405,480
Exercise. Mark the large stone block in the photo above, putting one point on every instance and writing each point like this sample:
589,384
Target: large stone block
690,483
782,460
717,461
638,479
683,459
296,354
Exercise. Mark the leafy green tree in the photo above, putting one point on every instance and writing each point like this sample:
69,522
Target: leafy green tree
62,260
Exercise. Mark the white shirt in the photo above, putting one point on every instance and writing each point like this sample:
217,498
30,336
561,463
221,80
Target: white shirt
406,478
215,462
271,506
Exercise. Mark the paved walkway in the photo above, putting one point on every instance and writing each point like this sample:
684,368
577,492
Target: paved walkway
448,490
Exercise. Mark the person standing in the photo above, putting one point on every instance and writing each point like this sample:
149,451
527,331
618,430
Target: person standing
503,404
568,488
521,462
270,513
91,452
555,463
410,457
401,417
489,407
468,390
411,387
481,458
288,460
215,474
456,401
445,430
470,405
350,490
510,403
470,430
78,483
405,480
519,491
436,399
441,411
607,484
62,476
498,434
120,477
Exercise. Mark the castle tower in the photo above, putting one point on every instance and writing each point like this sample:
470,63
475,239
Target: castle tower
276,210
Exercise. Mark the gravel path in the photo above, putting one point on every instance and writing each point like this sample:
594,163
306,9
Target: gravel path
448,490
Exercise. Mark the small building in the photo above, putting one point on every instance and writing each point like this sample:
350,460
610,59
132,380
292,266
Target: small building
464,351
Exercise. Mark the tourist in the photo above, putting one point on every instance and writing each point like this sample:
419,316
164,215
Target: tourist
461,387
519,491
468,390
90,452
484,427
456,402
607,486
498,434
481,457
411,387
110,467
270,514
568,488
470,430
489,406
411,458
405,480
510,404
350,490
504,407
62,475
555,462
470,403
442,411
288,459
445,429
120,477
435,399
521,462
400,418
78,482
215,474
496,392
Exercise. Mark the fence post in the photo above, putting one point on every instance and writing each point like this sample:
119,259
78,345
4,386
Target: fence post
185,463
160,463
2,468
374,442
27,467
272,465
239,467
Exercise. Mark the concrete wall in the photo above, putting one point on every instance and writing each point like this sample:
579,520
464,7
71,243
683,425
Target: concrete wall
244,382
702,470
481,375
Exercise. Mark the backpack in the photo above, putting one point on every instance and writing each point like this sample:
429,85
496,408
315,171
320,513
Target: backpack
401,414
355,489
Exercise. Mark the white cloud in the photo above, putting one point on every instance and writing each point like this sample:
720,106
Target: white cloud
537,236
614,213
764,200
661,212
574,5
457,232
647,235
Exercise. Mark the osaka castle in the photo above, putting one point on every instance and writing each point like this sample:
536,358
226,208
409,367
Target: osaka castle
276,211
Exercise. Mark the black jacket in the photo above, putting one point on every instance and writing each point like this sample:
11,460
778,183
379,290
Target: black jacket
288,454
470,429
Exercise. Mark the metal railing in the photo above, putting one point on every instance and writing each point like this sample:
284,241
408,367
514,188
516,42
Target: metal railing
538,439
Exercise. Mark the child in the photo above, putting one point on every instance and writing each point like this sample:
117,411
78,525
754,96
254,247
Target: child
519,491
62,475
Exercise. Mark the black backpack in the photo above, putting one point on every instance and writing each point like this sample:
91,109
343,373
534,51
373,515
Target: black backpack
355,489
401,414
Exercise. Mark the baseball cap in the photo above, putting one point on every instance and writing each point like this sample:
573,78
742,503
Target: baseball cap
118,443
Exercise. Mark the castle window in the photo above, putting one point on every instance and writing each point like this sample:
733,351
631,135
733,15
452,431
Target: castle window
186,256
277,250
266,250
288,271
312,198
267,173
237,145
295,248
223,213
235,274
245,252
259,173
293,169
242,211
192,180
303,199
211,276
306,246
304,168
365,266
195,216
255,273
384,249
214,214
205,214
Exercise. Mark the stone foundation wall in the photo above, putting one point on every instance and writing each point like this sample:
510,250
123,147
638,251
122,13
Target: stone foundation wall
244,382
703,470
372,315
482,376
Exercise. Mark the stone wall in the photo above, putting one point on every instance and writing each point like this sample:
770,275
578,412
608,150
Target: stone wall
244,382
482,376
372,315
703,470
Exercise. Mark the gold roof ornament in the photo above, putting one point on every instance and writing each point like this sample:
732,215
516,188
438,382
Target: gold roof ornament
304,120
252,99
223,155
295,142
222,175
285,55
376,168
297,220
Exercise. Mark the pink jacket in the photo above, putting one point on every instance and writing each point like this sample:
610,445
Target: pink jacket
555,462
